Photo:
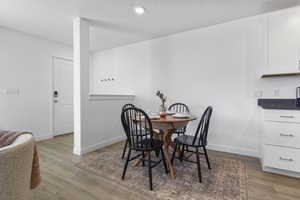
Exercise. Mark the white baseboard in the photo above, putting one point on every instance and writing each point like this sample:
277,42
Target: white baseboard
234,150
282,172
77,151
215,147
99,145
43,137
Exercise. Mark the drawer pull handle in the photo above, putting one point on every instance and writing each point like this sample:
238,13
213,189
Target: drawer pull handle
284,116
286,159
286,135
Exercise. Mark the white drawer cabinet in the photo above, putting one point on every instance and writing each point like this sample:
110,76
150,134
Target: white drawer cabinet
282,158
282,116
281,142
282,134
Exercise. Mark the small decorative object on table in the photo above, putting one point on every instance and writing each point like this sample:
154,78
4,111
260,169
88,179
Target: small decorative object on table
163,107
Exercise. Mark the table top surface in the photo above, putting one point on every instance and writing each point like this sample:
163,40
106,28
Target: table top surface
171,119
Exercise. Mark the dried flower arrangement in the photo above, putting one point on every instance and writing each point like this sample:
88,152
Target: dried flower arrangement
163,99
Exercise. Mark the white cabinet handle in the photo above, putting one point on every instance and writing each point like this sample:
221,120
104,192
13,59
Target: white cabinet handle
286,159
286,135
284,116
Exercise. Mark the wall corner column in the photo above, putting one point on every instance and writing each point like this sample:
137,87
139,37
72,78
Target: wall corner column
81,82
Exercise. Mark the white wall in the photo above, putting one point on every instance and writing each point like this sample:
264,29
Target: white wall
25,70
216,66
135,69
103,122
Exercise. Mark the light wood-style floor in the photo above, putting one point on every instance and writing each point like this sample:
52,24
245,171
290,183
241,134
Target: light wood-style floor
62,180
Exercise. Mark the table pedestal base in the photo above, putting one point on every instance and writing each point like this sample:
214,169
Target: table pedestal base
168,128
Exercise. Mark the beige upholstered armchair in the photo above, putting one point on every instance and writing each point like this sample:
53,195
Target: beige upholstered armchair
15,169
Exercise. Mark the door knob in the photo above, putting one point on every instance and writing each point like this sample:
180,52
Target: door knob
55,93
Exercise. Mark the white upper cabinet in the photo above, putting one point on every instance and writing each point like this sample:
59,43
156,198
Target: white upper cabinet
284,41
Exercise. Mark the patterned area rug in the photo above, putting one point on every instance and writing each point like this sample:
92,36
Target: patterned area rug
225,181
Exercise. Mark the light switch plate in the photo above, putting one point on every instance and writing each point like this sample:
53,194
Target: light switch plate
12,91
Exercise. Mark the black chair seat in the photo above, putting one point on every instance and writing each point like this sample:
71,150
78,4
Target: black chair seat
188,141
148,145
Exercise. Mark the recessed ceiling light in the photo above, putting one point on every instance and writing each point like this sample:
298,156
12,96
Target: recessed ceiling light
139,10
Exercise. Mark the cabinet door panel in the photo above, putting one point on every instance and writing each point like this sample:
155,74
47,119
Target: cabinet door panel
283,41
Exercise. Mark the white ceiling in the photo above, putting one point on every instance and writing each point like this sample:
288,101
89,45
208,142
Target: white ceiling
114,22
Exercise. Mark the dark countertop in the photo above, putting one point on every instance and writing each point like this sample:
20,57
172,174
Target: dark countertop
280,104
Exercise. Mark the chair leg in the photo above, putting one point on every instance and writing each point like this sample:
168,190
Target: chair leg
198,165
206,157
157,153
150,171
143,162
124,150
182,153
174,153
187,148
126,164
164,159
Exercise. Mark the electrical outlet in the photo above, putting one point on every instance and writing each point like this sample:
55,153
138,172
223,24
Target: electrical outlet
258,94
276,92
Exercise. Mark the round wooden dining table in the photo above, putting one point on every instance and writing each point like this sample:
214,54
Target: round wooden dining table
167,125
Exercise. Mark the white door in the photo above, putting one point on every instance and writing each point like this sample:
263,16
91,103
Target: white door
63,96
